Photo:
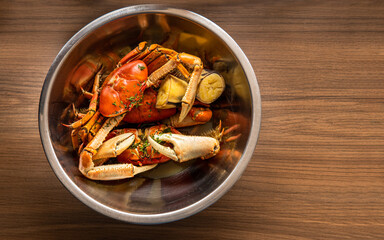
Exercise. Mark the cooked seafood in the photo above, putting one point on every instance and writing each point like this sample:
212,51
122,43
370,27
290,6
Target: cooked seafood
131,94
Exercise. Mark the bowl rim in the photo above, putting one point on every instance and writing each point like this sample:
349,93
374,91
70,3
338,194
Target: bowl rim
189,210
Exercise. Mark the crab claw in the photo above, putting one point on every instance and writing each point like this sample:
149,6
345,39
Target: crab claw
115,146
116,171
185,147
87,165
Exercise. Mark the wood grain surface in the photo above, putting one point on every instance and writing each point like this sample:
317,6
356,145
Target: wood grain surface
317,171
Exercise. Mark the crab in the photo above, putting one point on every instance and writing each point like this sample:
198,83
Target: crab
162,61
183,148
97,151
87,126
123,96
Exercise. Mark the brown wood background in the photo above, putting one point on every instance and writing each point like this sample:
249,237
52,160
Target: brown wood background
317,171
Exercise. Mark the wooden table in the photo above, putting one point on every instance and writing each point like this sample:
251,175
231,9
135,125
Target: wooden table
317,171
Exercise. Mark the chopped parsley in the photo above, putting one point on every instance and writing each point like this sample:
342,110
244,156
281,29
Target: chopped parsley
141,67
122,103
167,130
135,102
133,146
143,148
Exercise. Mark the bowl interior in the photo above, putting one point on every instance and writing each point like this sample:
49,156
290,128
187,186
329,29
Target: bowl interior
171,186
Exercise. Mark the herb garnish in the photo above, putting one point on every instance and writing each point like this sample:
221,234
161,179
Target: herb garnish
141,67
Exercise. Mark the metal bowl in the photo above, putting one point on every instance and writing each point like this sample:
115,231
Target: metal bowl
171,191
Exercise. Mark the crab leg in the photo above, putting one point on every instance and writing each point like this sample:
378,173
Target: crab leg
229,130
95,128
157,52
77,114
195,117
145,53
153,79
163,59
151,54
92,105
75,138
159,57
157,63
189,97
190,94
117,171
135,53
185,147
108,172
86,94
86,128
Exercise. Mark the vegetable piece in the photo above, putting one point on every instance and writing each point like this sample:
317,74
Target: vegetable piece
211,87
171,92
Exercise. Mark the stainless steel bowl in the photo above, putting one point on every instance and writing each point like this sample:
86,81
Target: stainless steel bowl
173,191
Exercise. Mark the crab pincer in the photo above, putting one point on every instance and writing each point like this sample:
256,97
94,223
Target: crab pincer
110,148
185,147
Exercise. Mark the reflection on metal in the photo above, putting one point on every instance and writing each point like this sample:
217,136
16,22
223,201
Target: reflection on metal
143,21
131,188
167,169
155,195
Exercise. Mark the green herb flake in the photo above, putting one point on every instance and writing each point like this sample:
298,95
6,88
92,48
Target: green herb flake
141,67
133,146
167,130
